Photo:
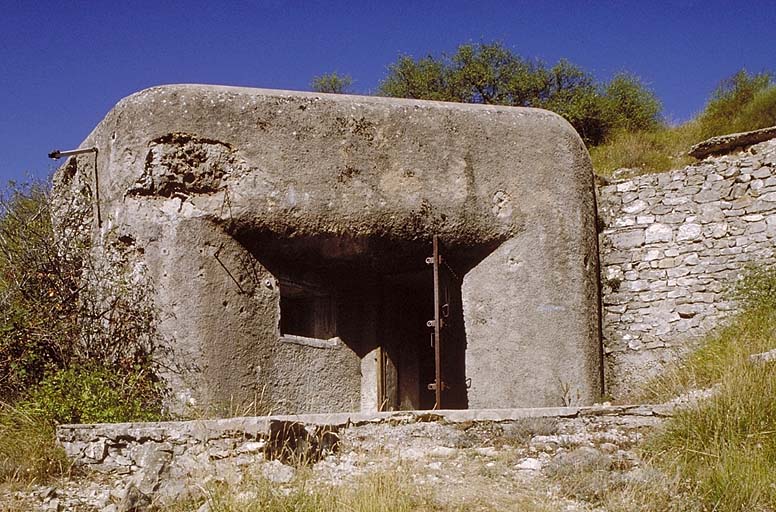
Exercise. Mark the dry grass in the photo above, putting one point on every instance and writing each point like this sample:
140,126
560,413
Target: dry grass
647,151
725,355
741,103
726,445
376,492
28,450
724,448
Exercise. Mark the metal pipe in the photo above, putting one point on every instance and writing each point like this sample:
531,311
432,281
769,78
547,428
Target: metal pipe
57,154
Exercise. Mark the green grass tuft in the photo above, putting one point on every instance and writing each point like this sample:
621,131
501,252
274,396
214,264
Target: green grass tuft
28,449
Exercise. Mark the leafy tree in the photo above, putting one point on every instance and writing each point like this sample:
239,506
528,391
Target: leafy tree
332,83
425,79
492,74
629,105
573,93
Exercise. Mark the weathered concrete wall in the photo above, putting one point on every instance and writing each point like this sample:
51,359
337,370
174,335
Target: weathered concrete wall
672,244
185,172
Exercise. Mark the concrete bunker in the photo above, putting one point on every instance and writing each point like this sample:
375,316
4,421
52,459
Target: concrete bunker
286,236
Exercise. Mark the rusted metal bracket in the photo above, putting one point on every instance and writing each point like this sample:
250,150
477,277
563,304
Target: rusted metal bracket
432,323
215,255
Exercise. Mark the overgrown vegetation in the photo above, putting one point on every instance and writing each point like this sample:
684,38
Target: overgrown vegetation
27,449
64,356
332,83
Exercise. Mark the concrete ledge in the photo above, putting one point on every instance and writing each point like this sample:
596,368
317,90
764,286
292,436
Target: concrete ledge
725,143
258,425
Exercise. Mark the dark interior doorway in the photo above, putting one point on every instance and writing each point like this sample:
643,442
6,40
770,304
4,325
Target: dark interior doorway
409,344
326,282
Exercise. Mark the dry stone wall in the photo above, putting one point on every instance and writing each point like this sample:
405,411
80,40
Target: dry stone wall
671,245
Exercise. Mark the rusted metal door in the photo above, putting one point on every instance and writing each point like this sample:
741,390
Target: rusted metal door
444,279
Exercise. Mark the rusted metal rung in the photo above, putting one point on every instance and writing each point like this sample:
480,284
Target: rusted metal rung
432,386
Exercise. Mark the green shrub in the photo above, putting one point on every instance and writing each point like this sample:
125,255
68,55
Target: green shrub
655,150
94,395
630,106
742,102
332,83
758,113
732,106
757,289
52,326
37,284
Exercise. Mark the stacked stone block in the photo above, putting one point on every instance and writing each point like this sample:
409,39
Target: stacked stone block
671,246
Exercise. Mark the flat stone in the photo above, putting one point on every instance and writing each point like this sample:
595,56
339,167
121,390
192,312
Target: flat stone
689,232
529,464
658,233
277,472
635,207
628,239
727,143
763,357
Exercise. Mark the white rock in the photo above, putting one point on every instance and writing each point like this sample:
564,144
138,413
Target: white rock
638,206
529,464
277,472
689,231
658,233
487,451
443,451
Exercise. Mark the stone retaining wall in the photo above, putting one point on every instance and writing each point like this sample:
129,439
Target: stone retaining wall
126,448
153,464
671,245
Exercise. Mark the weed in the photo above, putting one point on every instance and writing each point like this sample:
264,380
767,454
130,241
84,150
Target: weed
641,152
520,432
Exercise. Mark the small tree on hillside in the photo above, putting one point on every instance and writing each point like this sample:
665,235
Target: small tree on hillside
332,83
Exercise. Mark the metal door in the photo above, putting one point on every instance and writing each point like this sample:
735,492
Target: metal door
444,281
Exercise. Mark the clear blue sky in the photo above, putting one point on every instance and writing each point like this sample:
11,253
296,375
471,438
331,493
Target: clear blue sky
63,65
